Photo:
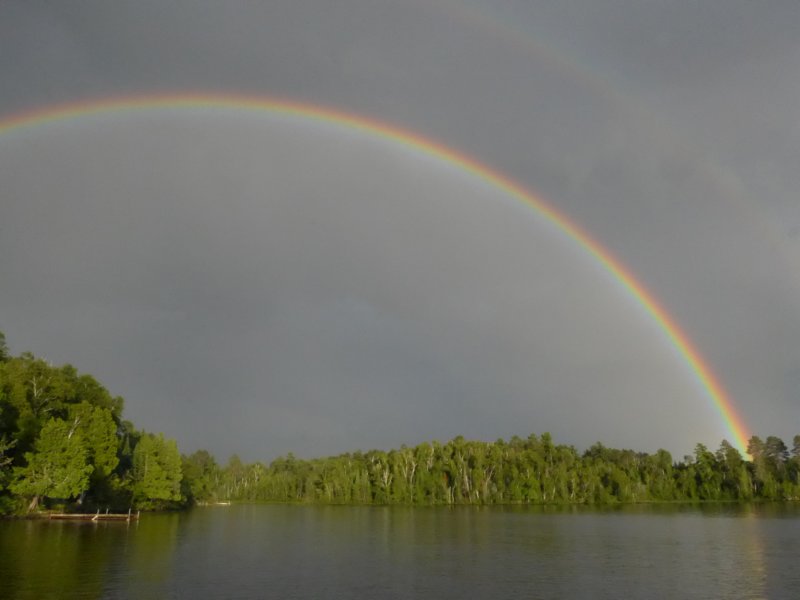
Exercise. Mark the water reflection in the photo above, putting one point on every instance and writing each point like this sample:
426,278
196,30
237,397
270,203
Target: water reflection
56,559
753,551
69,559
728,551
145,562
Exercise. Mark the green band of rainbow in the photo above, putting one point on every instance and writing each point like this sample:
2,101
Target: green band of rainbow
604,257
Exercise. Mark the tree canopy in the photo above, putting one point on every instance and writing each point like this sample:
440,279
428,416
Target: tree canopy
63,441
534,470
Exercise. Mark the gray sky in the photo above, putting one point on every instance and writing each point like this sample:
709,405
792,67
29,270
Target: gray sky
260,284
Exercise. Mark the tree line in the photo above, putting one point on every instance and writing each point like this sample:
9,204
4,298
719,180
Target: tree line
63,441
534,470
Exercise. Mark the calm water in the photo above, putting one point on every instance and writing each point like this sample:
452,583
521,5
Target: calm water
265,551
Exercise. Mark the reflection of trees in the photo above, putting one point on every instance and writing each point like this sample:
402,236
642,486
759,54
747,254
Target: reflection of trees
148,559
58,559
44,559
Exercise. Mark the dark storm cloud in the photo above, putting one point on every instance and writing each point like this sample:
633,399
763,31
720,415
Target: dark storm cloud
263,288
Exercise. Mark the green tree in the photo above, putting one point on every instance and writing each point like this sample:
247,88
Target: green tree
736,484
5,461
99,432
764,469
381,476
234,481
58,467
707,473
200,476
4,355
656,472
156,472
793,469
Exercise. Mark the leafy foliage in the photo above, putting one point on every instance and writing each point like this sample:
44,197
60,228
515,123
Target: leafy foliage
58,467
517,471
156,471
62,437
201,477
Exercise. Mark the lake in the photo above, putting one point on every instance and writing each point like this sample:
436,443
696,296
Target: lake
279,551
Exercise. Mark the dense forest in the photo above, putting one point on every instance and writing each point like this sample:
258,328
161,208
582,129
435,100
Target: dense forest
518,471
63,441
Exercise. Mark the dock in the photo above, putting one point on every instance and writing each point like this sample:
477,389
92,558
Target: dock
98,516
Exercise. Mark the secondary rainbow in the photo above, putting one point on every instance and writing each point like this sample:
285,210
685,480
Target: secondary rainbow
698,365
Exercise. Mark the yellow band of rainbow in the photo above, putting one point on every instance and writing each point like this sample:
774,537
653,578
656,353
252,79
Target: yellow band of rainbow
698,365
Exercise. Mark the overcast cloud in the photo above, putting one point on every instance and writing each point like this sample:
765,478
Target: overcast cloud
260,284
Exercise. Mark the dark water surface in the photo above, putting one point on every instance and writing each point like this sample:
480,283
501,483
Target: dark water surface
275,551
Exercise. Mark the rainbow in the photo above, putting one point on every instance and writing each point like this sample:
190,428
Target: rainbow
681,342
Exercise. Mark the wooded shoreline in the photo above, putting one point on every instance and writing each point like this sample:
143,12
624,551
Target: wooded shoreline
64,443
534,470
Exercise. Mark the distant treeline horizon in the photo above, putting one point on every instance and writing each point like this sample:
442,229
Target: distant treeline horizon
533,470
64,443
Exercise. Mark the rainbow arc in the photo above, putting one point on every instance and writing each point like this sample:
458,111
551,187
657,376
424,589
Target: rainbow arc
677,337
